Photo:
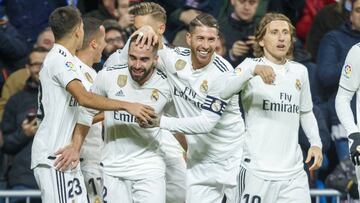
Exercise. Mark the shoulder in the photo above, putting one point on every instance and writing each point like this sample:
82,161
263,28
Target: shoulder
160,74
116,67
250,61
222,64
298,68
181,51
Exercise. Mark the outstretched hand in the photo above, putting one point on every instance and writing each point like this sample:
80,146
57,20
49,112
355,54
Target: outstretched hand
154,122
142,112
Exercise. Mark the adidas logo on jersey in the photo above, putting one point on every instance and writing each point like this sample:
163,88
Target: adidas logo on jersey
119,94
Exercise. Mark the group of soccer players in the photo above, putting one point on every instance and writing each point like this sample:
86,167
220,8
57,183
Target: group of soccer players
148,92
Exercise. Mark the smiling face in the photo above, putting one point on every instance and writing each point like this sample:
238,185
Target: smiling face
276,41
141,62
202,41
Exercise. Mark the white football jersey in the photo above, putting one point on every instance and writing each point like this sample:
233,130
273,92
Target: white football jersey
169,145
131,152
272,117
350,81
93,143
198,91
57,109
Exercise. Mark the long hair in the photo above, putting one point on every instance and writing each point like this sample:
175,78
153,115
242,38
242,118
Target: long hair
261,31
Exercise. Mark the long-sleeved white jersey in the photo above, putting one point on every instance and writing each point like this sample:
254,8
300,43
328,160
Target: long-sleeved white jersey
348,86
90,153
272,117
213,126
130,152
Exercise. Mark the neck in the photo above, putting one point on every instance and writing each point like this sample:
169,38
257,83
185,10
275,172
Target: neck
276,60
71,45
86,57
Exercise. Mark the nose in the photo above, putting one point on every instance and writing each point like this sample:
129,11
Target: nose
205,44
137,64
281,37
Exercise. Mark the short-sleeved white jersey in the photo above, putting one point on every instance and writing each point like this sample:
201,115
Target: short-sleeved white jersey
194,91
130,151
93,143
350,79
57,109
272,117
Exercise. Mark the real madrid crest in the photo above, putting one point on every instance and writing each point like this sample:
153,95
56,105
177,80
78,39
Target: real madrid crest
180,64
216,106
154,95
122,80
204,86
88,77
298,84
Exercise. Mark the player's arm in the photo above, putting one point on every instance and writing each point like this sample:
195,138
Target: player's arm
211,112
90,100
349,84
311,129
244,72
309,124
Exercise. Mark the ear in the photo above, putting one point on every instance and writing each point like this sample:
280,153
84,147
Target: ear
188,38
78,31
162,28
93,44
232,2
261,43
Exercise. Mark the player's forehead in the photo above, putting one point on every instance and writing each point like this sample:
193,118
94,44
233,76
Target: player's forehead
142,20
140,52
278,25
205,31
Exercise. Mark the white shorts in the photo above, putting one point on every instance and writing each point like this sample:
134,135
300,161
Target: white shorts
60,187
175,180
94,186
149,190
211,182
257,190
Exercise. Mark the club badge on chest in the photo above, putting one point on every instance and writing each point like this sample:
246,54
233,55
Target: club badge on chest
122,80
204,86
154,95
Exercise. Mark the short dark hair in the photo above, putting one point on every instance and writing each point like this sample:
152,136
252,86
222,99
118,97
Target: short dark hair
36,49
133,39
91,27
111,24
64,20
203,19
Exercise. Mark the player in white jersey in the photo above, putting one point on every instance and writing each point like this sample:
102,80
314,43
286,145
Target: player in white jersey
93,45
206,148
348,86
272,167
149,13
133,167
59,95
